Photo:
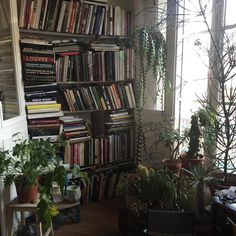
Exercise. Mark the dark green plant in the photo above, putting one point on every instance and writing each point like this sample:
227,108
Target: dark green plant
161,189
5,161
195,138
200,178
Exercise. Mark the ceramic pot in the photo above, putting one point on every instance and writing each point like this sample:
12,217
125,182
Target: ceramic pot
73,193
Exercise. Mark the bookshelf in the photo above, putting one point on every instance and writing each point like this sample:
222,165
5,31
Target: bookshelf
78,73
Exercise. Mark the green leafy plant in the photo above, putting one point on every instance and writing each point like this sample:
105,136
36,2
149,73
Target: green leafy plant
30,159
153,187
5,161
34,160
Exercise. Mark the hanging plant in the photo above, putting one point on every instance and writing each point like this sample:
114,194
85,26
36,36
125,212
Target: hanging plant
150,46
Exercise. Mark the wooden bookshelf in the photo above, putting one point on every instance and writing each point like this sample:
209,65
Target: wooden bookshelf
88,69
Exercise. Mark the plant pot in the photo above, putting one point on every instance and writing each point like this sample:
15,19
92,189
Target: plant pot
73,193
27,194
174,166
188,163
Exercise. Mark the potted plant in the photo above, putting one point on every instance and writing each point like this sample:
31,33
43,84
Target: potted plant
172,139
145,188
194,155
30,160
199,178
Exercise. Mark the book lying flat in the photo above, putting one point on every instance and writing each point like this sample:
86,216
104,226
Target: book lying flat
45,115
43,106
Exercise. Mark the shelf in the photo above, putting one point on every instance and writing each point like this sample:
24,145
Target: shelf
64,35
95,82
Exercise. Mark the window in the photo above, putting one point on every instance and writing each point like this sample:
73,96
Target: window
192,60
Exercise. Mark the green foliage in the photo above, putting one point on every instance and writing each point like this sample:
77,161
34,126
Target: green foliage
5,161
195,137
172,139
83,176
45,208
30,159
150,48
153,187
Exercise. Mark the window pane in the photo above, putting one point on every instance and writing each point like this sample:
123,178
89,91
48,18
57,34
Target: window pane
230,18
192,60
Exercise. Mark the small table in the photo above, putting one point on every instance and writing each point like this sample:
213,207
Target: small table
26,207
32,207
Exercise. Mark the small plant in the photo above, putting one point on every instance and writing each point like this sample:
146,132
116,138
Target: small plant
172,139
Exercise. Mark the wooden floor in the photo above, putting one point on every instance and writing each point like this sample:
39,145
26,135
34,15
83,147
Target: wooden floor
97,219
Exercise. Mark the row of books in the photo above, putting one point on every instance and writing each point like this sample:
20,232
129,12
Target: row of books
101,186
68,61
114,148
95,65
74,16
97,97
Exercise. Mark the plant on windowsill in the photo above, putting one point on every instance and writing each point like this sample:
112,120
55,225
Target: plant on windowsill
194,156
172,139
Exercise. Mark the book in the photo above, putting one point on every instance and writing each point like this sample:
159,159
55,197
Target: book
34,111
44,106
45,115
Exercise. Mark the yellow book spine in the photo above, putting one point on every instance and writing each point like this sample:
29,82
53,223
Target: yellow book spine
43,106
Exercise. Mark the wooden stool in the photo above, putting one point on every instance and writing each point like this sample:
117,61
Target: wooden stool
27,207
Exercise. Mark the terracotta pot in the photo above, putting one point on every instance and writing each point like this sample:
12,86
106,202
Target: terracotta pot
188,163
27,194
174,166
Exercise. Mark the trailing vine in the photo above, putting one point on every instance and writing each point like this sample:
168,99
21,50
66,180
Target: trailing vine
150,46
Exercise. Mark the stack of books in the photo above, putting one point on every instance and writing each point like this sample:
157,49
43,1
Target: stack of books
43,111
74,129
76,133
119,120
38,60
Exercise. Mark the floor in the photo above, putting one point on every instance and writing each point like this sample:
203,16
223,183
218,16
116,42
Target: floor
97,219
